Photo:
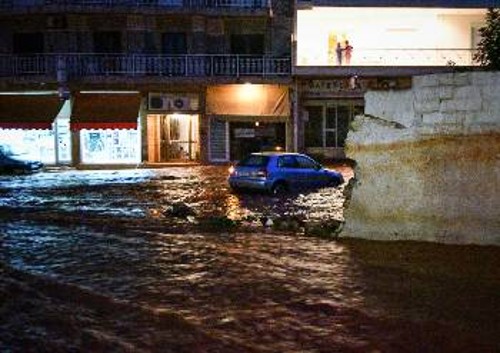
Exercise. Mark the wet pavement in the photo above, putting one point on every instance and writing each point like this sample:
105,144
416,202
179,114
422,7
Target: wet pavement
95,261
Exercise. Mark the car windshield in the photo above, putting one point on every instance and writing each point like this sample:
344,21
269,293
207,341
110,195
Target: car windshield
254,161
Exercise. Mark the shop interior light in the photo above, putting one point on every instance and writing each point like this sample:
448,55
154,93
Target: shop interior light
29,93
109,92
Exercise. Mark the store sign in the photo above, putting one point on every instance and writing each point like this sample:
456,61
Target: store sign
327,88
352,86
244,133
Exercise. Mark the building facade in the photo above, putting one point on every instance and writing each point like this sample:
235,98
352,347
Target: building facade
143,82
362,45
85,82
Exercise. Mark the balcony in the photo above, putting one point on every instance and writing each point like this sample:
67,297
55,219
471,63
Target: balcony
77,66
394,57
134,4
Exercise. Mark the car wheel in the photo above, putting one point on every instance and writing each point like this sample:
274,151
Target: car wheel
279,188
337,181
235,189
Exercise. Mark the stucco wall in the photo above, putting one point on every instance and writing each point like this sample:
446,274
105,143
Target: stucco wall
428,162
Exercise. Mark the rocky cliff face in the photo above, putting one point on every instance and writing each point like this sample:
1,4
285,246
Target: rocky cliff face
428,162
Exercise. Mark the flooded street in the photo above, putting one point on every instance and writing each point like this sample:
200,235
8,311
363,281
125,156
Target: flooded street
169,260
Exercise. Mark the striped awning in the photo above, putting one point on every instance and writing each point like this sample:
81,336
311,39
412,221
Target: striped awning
28,111
105,111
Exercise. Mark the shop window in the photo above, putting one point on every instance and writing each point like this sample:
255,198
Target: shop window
328,123
247,44
331,126
345,115
28,43
110,146
174,43
30,144
314,127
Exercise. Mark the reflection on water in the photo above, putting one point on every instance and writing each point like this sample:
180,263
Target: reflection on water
148,193
262,292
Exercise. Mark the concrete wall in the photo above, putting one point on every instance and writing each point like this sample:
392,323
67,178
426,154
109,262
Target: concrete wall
428,162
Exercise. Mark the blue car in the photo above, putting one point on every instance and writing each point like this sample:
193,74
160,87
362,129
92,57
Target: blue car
10,163
278,172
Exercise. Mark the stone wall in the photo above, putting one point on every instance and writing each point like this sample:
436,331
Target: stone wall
428,162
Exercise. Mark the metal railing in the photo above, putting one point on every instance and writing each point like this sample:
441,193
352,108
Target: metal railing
82,65
395,57
193,4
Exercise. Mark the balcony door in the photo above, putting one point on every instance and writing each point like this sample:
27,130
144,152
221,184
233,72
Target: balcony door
174,43
28,43
247,44
108,42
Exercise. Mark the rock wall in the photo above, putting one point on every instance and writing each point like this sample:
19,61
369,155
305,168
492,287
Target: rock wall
428,162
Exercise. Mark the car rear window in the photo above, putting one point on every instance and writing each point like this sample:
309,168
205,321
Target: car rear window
254,161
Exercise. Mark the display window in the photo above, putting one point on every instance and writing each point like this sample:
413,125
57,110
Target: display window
110,146
328,122
30,144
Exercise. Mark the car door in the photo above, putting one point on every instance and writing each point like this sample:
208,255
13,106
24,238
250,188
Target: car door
287,170
311,173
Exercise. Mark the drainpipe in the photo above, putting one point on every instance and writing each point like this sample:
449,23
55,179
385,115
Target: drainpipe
295,94
295,111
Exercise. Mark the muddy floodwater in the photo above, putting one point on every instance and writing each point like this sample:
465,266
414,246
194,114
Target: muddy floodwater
169,260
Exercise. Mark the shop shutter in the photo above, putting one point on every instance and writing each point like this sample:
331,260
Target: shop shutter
218,140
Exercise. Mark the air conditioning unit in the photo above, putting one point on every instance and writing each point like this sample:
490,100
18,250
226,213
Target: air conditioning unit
180,103
157,101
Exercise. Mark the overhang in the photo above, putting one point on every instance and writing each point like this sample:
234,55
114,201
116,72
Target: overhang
105,111
403,3
248,100
28,111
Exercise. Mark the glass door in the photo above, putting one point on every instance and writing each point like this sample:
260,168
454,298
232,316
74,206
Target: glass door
180,137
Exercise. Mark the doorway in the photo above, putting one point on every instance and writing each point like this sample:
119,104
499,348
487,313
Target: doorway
173,138
248,137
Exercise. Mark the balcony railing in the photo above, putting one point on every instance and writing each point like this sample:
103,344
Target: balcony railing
191,4
83,65
395,57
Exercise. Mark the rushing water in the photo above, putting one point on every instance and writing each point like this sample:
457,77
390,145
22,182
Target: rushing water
108,234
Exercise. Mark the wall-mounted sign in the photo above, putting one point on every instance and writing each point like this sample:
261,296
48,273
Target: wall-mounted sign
244,133
334,87
352,86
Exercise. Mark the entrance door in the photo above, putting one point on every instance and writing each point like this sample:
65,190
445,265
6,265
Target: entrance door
173,138
248,137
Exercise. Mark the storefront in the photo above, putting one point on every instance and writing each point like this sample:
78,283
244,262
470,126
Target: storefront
327,109
328,106
173,128
35,126
247,118
105,127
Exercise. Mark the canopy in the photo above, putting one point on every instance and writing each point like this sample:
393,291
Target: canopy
28,111
105,111
248,100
